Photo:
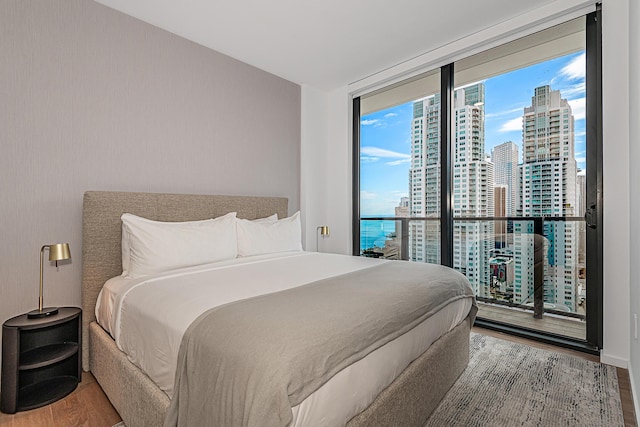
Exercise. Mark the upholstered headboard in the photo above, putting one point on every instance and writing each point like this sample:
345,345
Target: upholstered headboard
102,231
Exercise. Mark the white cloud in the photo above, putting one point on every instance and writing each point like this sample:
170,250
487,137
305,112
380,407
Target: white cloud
575,69
390,115
369,122
577,89
504,113
368,159
367,195
511,125
398,162
578,108
381,152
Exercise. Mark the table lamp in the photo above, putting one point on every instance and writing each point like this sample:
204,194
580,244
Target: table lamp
57,252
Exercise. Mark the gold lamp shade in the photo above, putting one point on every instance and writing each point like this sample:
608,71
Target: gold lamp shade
57,252
324,232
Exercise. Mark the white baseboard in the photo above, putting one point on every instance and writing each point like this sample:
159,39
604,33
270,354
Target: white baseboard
634,393
614,361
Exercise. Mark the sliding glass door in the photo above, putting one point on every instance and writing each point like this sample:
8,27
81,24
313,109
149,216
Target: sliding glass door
499,176
520,160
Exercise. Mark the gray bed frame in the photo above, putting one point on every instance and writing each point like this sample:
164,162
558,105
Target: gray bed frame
408,401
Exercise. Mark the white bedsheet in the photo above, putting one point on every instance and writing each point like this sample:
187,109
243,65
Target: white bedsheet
148,316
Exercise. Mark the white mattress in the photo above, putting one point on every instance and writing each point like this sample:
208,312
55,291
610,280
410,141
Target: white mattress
148,316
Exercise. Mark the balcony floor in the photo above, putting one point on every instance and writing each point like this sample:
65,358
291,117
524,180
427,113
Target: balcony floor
567,326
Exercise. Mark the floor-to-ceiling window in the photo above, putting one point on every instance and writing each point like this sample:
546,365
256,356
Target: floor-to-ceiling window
400,178
491,170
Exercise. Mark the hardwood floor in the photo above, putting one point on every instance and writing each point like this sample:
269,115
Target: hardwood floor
626,398
88,406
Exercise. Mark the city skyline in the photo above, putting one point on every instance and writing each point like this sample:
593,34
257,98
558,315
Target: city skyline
386,135
545,186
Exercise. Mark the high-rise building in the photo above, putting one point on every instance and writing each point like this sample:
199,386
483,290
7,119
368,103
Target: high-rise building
473,180
581,193
424,180
472,186
548,186
505,163
500,201
403,210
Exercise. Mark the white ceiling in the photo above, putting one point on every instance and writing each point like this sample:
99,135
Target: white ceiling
324,43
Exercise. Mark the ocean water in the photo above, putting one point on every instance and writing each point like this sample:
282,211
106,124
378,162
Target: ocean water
375,232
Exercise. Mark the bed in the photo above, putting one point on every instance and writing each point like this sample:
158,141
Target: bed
407,400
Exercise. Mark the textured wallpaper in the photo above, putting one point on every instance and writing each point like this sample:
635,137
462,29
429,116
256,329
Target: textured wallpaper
92,99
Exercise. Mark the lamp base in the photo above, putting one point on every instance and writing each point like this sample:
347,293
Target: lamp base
46,311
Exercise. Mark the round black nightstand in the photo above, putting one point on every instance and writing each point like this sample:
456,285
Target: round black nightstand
41,359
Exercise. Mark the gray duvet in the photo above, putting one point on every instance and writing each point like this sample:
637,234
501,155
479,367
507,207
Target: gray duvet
248,362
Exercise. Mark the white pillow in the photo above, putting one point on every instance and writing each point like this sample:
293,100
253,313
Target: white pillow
153,246
125,239
126,251
264,237
270,218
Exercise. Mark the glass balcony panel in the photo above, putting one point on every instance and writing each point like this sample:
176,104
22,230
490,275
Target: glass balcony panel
507,264
533,280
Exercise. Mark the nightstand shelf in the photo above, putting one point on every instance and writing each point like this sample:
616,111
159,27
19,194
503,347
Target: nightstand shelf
45,392
41,359
47,355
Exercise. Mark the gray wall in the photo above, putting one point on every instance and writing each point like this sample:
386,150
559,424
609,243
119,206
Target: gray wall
634,172
91,99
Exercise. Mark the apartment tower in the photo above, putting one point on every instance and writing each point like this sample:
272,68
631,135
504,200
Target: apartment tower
473,180
473,186
505,163
548,188
424,181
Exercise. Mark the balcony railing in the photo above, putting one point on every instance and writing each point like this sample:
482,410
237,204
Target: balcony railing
493,243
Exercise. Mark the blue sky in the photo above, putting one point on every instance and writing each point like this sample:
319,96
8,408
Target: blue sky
385,135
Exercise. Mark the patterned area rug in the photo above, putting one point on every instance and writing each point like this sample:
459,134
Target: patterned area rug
509,384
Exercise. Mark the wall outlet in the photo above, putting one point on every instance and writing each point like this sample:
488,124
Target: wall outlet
635,326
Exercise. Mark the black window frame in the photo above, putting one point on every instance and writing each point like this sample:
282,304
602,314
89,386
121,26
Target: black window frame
594,198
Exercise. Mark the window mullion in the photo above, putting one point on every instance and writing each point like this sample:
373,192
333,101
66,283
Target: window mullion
446,166
355,184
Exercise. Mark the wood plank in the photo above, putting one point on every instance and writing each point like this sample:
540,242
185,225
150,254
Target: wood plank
86,406
69,411
626,398
100,412
34,418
